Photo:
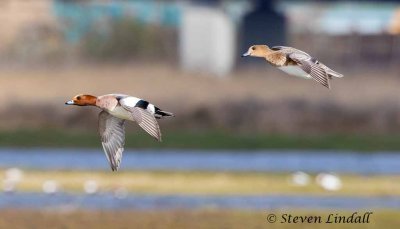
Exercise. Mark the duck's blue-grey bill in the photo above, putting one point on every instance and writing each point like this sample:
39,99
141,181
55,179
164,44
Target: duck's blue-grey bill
71,102
245,54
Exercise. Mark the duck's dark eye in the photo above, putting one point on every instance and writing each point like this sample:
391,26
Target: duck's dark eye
253,48
78,98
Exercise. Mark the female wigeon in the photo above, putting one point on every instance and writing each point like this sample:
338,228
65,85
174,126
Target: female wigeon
116,109
294,62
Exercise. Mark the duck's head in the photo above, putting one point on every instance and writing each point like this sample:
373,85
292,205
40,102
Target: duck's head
257,51
83,100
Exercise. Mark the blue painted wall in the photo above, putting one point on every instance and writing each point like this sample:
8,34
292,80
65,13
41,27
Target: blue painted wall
77,18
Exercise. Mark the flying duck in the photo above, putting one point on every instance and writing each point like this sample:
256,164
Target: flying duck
116,108
294,62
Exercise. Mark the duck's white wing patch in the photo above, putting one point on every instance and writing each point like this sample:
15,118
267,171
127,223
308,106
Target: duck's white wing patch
312,67
142,116
129,102
112,133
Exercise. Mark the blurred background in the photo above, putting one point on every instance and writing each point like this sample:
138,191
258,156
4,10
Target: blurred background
247,139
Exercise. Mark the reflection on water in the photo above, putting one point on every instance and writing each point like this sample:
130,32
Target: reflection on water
109,201
269,160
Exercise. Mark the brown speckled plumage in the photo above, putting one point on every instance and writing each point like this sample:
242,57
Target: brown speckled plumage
282,57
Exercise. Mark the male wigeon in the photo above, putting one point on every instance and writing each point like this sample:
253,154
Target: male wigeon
294,62
116,109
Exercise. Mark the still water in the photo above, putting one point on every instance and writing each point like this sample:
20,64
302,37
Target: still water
263,161
144,202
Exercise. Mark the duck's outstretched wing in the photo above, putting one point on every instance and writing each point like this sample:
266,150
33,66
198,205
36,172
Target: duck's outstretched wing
289,50
112,133
146,120
312,67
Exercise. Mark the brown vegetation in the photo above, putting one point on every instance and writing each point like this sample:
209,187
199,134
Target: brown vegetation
262,100
177,219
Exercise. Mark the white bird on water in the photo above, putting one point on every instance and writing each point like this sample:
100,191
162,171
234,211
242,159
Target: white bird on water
90,187
50,187
329,182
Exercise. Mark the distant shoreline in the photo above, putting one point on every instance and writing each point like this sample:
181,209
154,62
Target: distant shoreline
206,139
205,183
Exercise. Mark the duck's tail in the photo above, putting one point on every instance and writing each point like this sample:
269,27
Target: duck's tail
332,73
160,113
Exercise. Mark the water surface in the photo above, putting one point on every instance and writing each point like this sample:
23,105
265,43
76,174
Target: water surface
263,161
107,201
